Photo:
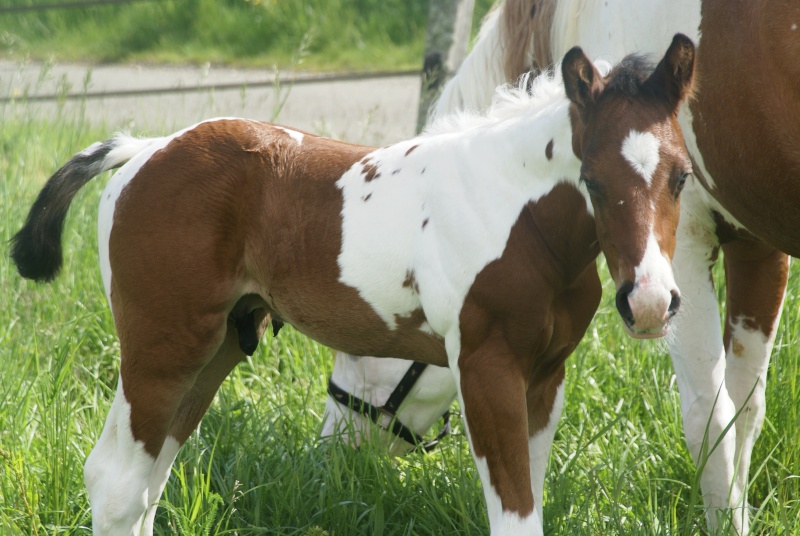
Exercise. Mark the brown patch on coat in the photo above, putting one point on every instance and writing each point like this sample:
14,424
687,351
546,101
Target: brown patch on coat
522,317
548,151
737,347
756,276
425,222
370,172
411,149
410,281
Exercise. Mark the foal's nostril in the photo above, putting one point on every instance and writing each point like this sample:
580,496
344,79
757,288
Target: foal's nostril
675,304
623,306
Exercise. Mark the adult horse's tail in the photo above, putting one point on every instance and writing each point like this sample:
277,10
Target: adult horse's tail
36,248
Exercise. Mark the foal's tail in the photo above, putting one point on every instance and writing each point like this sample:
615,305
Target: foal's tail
36,248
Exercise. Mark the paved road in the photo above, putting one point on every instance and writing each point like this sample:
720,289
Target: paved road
372,111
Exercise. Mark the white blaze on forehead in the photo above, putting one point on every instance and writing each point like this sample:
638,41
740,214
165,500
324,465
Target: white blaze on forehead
296,136
640,149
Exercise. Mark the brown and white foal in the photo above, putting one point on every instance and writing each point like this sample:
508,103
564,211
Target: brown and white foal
471,246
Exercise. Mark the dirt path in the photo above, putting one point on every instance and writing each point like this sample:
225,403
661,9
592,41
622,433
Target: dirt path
373,111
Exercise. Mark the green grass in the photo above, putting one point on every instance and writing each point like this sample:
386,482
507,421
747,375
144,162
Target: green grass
333,34
618,466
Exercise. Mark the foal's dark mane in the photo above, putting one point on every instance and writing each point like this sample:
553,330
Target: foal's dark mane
629,75
631,78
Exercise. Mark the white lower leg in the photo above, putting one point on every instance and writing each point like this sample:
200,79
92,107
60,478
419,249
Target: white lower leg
539,446
502,522
117,475
746,377
158,479
699,358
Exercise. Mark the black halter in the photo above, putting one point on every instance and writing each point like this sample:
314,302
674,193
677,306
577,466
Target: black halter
386,415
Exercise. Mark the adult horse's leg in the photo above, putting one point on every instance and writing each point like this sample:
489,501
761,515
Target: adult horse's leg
492,392
756,276
698,356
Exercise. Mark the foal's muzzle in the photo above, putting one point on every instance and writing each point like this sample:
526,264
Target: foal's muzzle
647,310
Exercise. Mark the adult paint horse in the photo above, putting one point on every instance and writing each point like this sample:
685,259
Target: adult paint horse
743,138
449,247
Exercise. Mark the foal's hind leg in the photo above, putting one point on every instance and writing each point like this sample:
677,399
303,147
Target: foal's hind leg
756,276
168,359
191,409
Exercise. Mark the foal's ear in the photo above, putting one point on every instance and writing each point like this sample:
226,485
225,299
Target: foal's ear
675,72
582,82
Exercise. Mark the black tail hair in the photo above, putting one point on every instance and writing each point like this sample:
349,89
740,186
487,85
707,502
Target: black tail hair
36,248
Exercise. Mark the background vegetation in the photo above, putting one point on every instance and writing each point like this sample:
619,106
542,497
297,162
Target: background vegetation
333,34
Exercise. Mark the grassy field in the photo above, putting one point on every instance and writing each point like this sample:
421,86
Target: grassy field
331,34
619,465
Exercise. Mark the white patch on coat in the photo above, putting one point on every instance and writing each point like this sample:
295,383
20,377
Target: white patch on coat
108,202
116,474
654,265
502,522
640,149
295,135
539,446
466,178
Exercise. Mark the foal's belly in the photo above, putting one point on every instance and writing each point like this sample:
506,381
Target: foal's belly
335,315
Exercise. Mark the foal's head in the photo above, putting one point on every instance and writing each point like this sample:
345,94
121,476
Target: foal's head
634,165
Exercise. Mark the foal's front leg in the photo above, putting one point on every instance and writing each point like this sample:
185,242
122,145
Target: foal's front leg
492,392
545,402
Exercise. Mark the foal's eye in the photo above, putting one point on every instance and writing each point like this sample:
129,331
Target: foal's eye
681,182
591,186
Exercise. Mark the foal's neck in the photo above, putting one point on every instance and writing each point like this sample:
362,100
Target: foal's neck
530,153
